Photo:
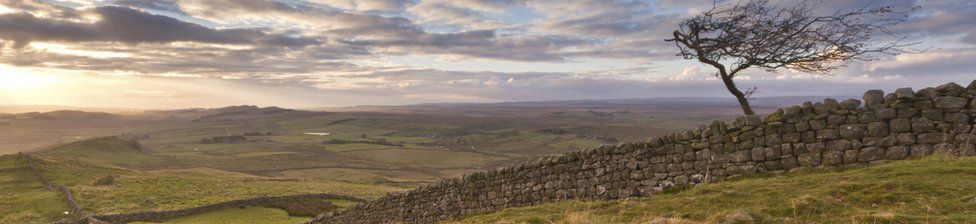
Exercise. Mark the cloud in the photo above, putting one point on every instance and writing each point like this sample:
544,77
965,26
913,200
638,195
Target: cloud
126,25
343,48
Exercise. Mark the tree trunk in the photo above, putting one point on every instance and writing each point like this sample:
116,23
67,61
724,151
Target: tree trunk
729,84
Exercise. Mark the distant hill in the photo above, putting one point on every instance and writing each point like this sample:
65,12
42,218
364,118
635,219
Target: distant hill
104,150
66,115
669,102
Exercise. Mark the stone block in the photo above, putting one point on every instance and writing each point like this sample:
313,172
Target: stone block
850,156
900,125
957,118
872,153
839,145
933,114
832,158
885,113
852,131
934,138
873,98
966,138
951,89
827,134
904,93
850,104
950,102
809,159
919,151
920,125
896,153
877,129
907,112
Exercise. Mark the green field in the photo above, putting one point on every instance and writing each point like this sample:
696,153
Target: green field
239,215
931,190
162,162
23,198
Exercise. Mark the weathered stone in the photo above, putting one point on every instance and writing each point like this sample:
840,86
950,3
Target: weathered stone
926,93
742,156
956,118
923,105
966,138
950,102
951,89
890,98
833,158
818,124
971,88
852,131
850,104
753,120
868,154
899,125
932,114
934,138
850,156
831,104
839,145
921,125
809,159
873,98
877,129
896,153
907,112
904,93
881,141
906,139
835,120
885,113
919,151
758,154
827,134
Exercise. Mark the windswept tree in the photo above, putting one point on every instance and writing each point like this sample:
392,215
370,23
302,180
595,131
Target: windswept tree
757,34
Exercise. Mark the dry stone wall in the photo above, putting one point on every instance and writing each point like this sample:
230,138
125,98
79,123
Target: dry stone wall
895,126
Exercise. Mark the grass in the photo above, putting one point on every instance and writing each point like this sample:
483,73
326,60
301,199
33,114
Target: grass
134,191
248,214
931,190
424,157
23,198
101,150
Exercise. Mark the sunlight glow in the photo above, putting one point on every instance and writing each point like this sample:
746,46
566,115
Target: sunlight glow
5,10
69,50
13,79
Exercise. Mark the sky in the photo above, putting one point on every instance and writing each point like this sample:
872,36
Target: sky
158,54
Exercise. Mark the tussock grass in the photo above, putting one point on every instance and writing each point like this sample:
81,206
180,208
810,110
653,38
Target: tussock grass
932,190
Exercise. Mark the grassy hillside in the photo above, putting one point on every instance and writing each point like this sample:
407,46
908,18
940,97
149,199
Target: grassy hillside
134,191
104,150
23,198
932,190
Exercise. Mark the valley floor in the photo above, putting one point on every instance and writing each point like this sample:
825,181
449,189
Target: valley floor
930,190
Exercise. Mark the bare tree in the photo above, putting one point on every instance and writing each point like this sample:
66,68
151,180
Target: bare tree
757,34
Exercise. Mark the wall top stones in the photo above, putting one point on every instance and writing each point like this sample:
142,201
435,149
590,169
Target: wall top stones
900,125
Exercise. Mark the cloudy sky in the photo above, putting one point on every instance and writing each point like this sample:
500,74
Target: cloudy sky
307,53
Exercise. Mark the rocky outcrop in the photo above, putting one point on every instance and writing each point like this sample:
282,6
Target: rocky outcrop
895,126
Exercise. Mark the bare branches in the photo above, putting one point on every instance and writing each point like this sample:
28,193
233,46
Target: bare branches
755,34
